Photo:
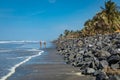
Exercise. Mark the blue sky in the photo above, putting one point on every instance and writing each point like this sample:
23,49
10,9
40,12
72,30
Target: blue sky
44,19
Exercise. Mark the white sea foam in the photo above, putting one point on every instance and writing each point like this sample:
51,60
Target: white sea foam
12,70
23,41
18,57
33,50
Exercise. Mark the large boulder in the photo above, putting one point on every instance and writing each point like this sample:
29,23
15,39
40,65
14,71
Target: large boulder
113,59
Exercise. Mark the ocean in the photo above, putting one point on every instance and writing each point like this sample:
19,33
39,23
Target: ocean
16,53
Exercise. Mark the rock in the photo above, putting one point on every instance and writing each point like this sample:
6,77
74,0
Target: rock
113,59
80,43
113,51
118,36
90,45
114,77
74,64
67,55
79,64
118,50
97,62
106,48
92,65
81,52
102,76
90,70
99,43
115,66
71,56
88,54
97,72
103,53
117,43
88,59
117,77
103,63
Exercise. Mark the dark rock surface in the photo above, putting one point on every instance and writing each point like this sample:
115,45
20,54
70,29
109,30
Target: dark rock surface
93,54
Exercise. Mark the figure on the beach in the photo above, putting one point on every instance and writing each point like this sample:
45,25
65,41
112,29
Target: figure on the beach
40,44
44,44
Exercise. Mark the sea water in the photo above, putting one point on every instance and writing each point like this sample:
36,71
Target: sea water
15,53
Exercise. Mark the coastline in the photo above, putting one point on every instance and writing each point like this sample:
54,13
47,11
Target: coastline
48,66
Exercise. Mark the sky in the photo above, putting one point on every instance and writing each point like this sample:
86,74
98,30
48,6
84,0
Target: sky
44,19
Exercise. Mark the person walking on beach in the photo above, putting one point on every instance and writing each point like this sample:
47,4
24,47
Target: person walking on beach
40,44
44,44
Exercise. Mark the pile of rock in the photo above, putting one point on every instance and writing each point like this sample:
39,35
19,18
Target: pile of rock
97,55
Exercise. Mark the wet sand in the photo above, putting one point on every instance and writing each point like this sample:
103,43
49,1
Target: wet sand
48,66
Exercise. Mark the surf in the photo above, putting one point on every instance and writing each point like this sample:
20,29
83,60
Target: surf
12,70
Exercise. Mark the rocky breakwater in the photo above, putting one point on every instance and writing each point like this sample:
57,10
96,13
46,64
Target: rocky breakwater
97,55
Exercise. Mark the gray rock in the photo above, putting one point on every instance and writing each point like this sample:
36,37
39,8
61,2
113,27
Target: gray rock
92,65
117,43
81,52
90,70
80,43
115,66
88,54
103,53
113,59
103,63
88,59
71,56
90,45
97,62
97,72
118,50
102,76
117,77
114,77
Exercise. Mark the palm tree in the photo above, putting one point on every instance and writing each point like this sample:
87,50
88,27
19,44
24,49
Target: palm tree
66,32
61,36
111,12
106,21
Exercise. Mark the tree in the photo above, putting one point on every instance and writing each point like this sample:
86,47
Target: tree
66,32
106,21
111,12
61,35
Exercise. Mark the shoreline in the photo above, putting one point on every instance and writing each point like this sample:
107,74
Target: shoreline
48,66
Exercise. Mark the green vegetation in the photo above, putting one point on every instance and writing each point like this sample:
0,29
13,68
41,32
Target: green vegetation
107,21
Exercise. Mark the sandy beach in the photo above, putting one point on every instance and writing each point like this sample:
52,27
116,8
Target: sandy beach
48,66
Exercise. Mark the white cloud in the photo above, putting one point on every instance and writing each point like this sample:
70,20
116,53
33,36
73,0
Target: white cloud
52,1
